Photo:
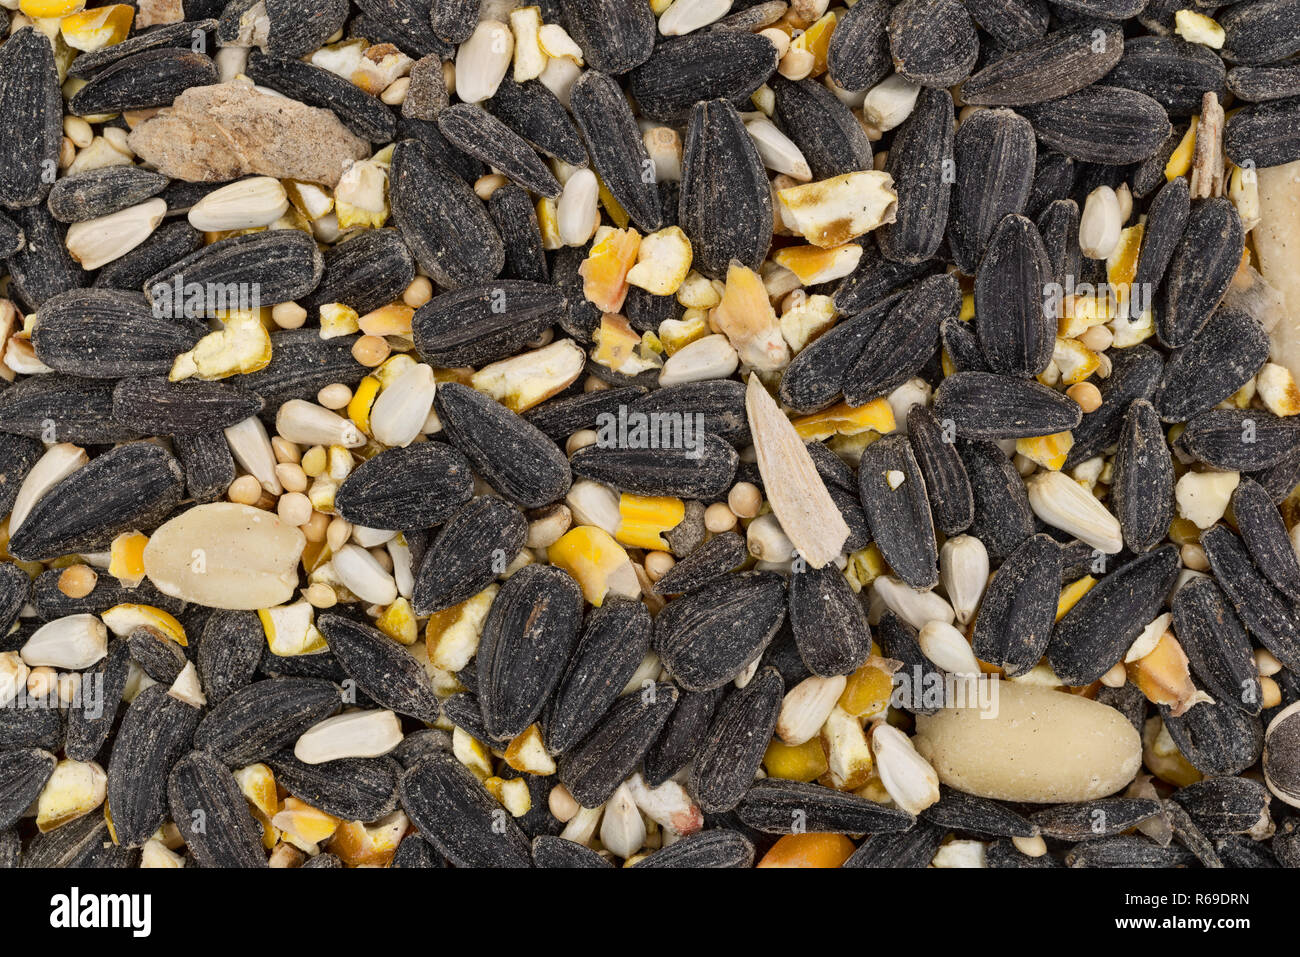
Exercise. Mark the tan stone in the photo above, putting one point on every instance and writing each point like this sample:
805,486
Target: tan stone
220,132
153,13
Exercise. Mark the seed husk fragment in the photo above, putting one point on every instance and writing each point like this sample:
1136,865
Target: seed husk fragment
714,847
360,112
1018,611
1057,65
200,789
614,144
708,636
1221,806
775,806
383,669
1093,820
983,405
733,749
1101,626
959,811
594,768
919,161
455,814
1102,124
722,64
1142,493
1127,850
414,487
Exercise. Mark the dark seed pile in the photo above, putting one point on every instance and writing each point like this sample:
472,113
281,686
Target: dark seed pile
671,434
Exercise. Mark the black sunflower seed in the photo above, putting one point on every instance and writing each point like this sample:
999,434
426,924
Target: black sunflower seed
1224,805
1054,175
830,626
1014,24
25,723
1189,835
1102,124
614,36
255,721
1262,608
43,268
1105,9
1093,820
511,455
475,131
904,341
983,405
445,225
516,220
1018,611
1173,72
1002,517
108,334
355,789
932,42
160,658
15,587
962,346
84,842
160,407
827,133
155,733
23,774
212,814
1101,626
281,264
383,669
683,71
682,735
415,487
1265,535
814,378
1243,851
455,814
368,271
1215,737
1057,65
413,852
554,851
915,848
1225,355
483,322
18,454
858,54
528,637
229,653
715,847
168,243
594,768
733,748
705,472
1265,135
143,80
475,545
776,806
1142,493
560,417
1135,373
614,143
50,603
363,114
720,401
995,154
1244,440
1202,266
301,365
533,112
1058,225
98,192
707,637
894,497
959,811
453,20
1264,32
725,204
1261,84
1127,850
129,487
1217,646
1016,331
615,638
921,163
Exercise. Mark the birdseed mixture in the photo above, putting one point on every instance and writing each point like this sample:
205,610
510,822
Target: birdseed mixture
657,433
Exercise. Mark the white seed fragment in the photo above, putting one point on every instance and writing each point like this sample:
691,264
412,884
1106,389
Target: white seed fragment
777,150
97,242
74,789
399,413
711,357
357,734
948,648
252,449
188,688
1065,504
964,573
914,607
13,676
890,102
1100,224
910,780
58,462
306,423
687,16
833,211
256,201
482,61
577,211
806,707
1203,497
1198,28
361,574
73,642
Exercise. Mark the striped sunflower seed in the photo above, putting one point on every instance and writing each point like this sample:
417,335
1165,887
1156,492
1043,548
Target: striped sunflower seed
457,815
1134,375
143,80
921,163
995,154
415,487
1224,805
1102,124
1244,440
984,405
911,849
1102,625
858,55
99,192
484,322
474,545
229,653
715,847
615,146
594,768
1265,535
1016,332
825,130
360,112
615,37
830,627
282,264
1094,820
1142,493
1200,270
30,727
732,751
1225,355
786,807
705,472
85,842
354,789
201,789
707,637
516,220
23,773
160,407
615,639
179,35
904,341
32,113
381,668
155,733
932,42
252,723
814,378
959,811
44,267
1174,73
1127,851
108,334
682,735
477,132
1264,135
722,64
1049,68
444,224
1264,611
1018,610
368,271
1216,644
725,204
1265,32
894,497
1002,518
551,850
1262,84
952,504
1058,225
11,237
166,244
509,454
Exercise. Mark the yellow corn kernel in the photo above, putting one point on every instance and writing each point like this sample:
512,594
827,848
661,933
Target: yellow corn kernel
472,753
451,635
257,784
663,261
1129,332
967,307
1162,757
548,224
817,264
816,40
644,518
1074,360
616,212
1049,451
1081,313
867,690
121,620
51,9
865,566
1180,161
290,631
527,753
397,621
1163,676
618,346
126,558
676,333
1121,264
310,825
597,562
393,319
369,845
242,346
362,401
845,419
604,271
336,320
1183,531
808,849
95,29
309,199
803,762
1071,594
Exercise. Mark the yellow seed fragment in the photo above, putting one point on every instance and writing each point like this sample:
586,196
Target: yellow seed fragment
527,753
123,619
803,762
643,520
95,29
241,347
845,419
604,271
597,562
1049,451
397,621
451,635
336,320
1180,161
1071,594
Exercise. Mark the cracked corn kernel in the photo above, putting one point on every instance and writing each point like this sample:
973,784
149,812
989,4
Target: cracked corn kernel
397,621
816,264
867,690
597,562
604,271
803,762
308,825
662,263
526,753
643,520
1049,451
808,850
242,346
95,29
1071,594
451,636
337,319
123,619
844,419
1180,161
